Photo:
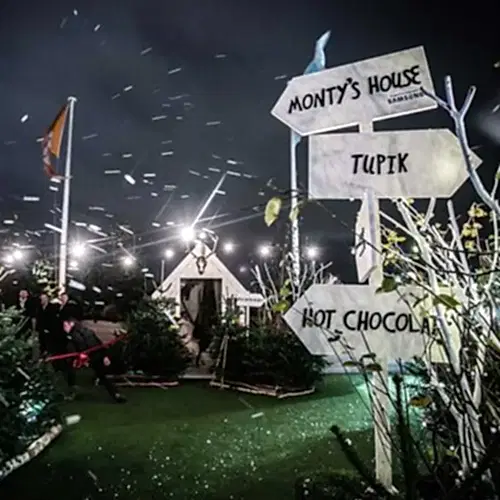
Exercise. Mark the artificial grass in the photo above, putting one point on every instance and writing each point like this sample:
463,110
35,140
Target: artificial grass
195,442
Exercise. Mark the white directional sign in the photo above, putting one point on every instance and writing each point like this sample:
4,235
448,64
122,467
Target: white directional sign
335,320
406,164
365,237
361,92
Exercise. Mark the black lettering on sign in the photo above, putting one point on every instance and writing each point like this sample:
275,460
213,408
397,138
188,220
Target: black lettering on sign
392,322
380,164
321,318
325,97
396,80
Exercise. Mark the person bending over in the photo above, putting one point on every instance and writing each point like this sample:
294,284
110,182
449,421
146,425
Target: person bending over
81,339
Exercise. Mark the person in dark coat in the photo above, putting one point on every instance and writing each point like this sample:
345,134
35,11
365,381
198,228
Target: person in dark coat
81,339
46,325
27,307
66,309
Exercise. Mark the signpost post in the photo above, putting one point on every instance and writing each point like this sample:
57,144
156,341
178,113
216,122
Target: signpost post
365,237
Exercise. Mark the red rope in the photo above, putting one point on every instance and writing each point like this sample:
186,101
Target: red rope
82,357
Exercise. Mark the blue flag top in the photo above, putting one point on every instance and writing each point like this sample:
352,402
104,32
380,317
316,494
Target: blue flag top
318,63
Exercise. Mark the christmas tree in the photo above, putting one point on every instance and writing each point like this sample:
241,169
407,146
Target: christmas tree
28,399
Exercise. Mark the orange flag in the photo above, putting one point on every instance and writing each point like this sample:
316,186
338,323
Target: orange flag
52,142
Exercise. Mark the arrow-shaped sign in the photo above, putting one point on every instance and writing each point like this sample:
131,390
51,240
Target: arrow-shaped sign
407,164
362,92
365,237
349,321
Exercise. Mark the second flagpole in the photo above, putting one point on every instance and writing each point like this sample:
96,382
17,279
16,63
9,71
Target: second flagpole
63,243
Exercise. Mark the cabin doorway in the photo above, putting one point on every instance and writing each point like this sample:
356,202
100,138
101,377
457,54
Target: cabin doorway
201,308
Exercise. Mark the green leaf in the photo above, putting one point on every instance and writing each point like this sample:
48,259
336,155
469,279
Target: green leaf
389,284
373,367
420,401
419,300
285,292
294,213
272,211
446,300
281,306
370,355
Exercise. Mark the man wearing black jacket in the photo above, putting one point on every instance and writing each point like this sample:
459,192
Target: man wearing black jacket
46,326
27,308
81,340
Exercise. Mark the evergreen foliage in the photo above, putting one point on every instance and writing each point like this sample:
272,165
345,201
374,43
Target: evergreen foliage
28,398
263,356
152,345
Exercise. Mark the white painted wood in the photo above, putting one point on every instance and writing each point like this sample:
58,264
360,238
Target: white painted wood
401,164
344,96
187,269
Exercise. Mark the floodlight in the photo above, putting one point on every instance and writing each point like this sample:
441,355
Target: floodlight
265,250
228,247
188,234
17,255
312,253
128,261
78,250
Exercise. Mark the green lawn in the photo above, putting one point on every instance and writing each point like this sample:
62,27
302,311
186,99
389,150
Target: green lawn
194,442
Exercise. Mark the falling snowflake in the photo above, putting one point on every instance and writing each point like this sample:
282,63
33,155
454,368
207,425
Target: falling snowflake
129,179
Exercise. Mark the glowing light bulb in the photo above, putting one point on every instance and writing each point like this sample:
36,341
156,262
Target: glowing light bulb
188,234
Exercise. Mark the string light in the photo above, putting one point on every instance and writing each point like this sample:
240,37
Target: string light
265,250
312,252
78,250
228,247
128,261
188,234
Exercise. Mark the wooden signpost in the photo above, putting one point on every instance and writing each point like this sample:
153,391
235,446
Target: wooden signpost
417,164
401,164
362,92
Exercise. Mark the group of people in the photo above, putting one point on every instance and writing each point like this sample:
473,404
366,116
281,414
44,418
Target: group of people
60,332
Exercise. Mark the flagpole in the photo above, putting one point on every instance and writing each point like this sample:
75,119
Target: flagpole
63,242
294,202
317,64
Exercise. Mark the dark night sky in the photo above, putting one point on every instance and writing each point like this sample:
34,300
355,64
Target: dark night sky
92,49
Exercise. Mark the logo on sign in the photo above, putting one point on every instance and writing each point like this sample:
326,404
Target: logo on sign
398,85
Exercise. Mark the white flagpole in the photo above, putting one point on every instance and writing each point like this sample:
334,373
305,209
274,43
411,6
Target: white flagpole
294,201
63,242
